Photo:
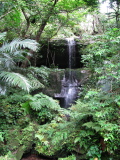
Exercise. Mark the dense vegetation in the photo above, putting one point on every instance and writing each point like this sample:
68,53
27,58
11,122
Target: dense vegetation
32,121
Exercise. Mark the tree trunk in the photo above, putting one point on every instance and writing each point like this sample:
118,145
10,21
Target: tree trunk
44,22
27,21
40,30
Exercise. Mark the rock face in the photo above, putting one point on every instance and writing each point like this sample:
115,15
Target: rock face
57,83
69,92
55,54
63,54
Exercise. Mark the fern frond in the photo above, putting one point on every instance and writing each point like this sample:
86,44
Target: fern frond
34,82
40,72
15,79
29,43
7,61
2,35
19,53
13,52
19,44
36,105
93,125
38,101
2,90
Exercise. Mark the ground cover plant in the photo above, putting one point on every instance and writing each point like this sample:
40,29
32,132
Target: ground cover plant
33,122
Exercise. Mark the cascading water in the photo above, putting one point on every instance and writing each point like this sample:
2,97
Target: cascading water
69,90
71,83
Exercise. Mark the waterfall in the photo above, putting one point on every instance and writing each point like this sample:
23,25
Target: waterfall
71,82
71,51
69,90
71,54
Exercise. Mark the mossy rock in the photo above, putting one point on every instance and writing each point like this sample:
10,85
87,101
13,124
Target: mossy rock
54,83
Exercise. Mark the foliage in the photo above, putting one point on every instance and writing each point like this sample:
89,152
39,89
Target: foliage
100,116
53,138
18,117
41,73
15,79
9,156
41,107
102,58
114,13
29,18
10,17
11,113
19,141
11,75
11,54
72,157
90,128
93,128
99,106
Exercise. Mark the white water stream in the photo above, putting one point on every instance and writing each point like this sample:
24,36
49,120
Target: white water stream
70,95
69,88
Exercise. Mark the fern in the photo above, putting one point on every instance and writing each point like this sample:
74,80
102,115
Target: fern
34,82
19,44
2,35
6,62
38,101
15,79
42,72
93,125
10,54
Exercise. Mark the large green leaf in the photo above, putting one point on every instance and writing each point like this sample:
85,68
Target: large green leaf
15,79
19,44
